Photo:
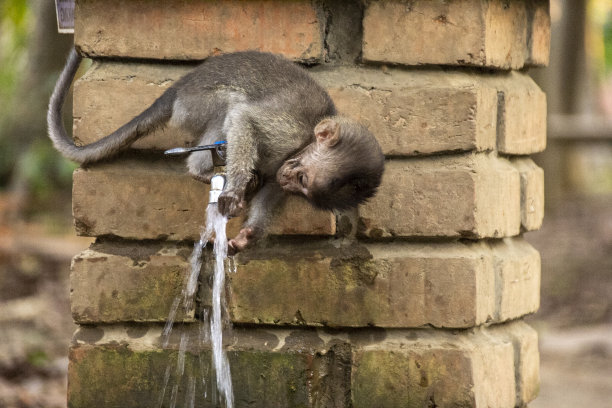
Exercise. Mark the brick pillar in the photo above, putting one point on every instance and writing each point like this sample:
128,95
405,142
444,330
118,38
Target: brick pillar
424,307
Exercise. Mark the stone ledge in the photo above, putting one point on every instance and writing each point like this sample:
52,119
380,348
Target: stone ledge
315,284
472,196
157,199
496,366
494,34
412,113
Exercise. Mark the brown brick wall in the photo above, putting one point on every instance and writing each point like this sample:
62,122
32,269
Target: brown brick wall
414,299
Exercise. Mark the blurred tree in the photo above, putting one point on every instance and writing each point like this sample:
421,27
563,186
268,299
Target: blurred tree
31,55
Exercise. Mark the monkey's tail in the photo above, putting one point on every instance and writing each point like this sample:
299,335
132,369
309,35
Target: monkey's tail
154,116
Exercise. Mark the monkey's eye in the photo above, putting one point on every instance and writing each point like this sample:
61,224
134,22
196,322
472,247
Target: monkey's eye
302,179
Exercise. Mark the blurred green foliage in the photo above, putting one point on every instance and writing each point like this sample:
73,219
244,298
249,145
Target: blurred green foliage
607,38
44,170
14,34
38,358
27,158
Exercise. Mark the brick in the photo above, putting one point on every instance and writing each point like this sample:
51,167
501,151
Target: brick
526,360
279,367
298,217
471,369
418,112
385,285
538,32
494,367
532,193
123,281
517,280
467,32
196,30
109,95
133,200
521,127
475,196
157,199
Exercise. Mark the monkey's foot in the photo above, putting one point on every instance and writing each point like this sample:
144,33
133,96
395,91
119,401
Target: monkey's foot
241,241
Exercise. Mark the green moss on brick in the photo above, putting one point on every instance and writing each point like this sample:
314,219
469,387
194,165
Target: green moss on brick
269,379
116,376
411,379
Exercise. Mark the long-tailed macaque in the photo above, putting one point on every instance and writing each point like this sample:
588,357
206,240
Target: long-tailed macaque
278,123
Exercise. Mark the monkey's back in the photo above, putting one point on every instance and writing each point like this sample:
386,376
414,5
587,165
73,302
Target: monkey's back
260,77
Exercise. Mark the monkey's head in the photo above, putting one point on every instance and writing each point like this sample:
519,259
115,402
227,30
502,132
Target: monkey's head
342,168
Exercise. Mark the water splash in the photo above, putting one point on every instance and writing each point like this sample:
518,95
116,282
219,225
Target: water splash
190,285
231,264
163,393
211,329
190,396
170,321
195,261
180,364
173,396
222,369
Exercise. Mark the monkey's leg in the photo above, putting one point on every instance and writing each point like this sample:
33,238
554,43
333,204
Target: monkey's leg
200,164
264,206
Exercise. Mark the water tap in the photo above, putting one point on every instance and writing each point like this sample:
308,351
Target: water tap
218,151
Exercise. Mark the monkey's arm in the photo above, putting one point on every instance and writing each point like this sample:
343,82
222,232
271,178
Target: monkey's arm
241,159
264,206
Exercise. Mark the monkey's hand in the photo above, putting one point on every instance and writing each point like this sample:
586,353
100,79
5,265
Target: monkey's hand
245,237
231,203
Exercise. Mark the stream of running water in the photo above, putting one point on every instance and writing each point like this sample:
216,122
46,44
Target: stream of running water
212,323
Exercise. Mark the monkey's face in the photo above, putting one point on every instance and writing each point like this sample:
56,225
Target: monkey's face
341,169
304,174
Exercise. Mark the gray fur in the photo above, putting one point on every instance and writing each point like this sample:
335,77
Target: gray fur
266,107
154,116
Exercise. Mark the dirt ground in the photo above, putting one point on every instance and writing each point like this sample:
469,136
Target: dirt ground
576,368
575,317
35,319
575,320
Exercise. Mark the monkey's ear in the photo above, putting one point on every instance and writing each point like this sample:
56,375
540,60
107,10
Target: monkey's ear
328,132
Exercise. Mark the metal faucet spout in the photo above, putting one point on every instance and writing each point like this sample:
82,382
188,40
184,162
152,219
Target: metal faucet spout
217,184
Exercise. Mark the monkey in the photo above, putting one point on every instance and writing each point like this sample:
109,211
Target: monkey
280,125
